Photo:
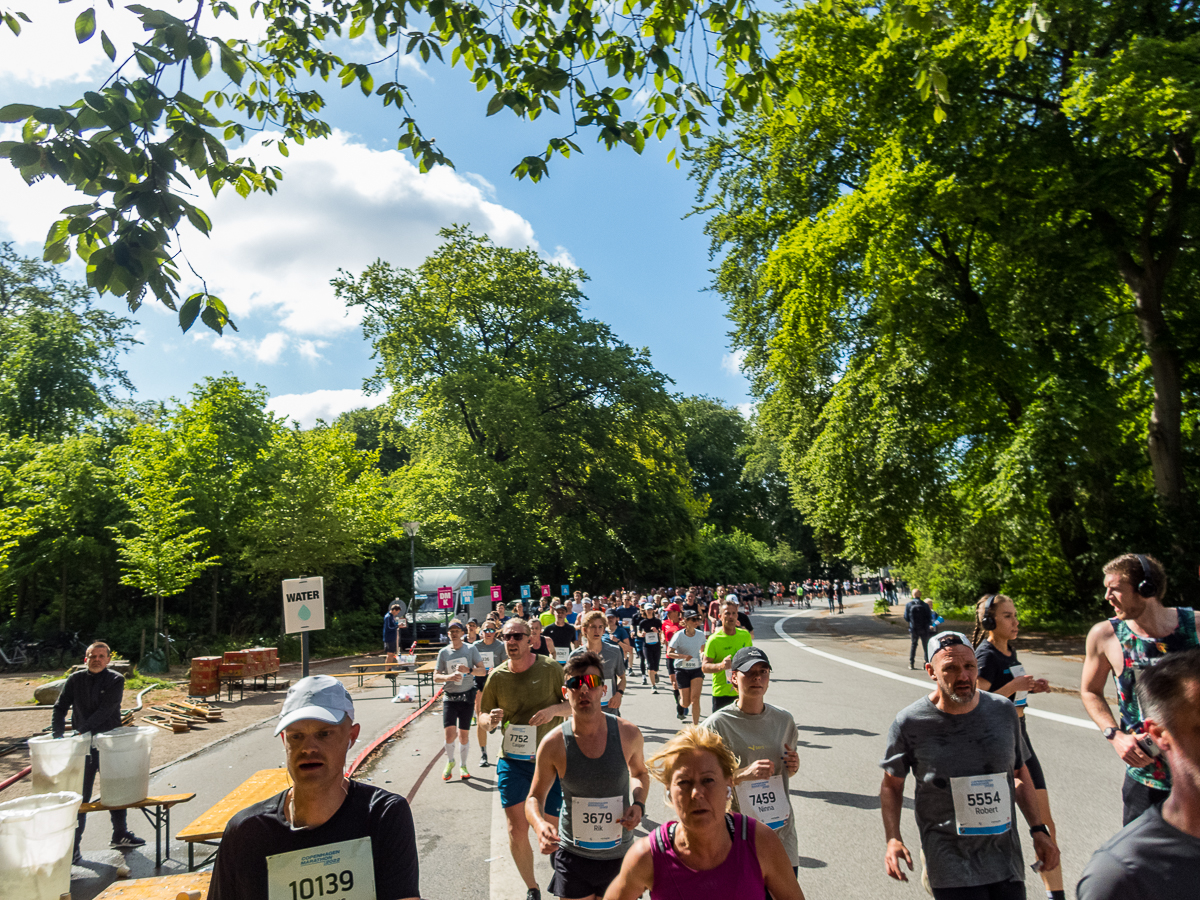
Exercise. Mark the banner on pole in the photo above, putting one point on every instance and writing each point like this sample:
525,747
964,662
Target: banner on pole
303,605
497,594
525,594
445,598
545,590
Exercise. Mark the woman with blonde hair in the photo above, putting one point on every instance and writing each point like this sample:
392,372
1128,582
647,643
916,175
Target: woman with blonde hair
1000,672
707,851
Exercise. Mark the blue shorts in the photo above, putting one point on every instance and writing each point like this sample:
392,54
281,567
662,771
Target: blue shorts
515,778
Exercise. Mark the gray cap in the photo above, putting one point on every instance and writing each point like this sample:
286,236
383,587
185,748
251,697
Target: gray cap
319,697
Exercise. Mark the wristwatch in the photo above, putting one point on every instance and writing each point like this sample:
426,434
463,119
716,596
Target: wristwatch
619,691
640,804
1109,732
1042,828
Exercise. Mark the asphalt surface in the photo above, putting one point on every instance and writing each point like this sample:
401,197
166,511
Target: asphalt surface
843,677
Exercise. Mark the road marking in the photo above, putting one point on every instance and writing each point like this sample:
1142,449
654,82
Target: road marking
924,685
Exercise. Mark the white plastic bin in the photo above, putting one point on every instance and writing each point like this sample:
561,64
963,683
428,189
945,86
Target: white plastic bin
124,764
37,838
58,763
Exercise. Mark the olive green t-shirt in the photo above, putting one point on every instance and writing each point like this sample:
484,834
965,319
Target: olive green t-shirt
522,694
719,646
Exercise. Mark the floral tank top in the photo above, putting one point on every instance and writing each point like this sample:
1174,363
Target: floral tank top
1140,653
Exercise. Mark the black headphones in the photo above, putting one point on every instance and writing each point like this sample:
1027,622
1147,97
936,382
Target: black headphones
1146,587
988,623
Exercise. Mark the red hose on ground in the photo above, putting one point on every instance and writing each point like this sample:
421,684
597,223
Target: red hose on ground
370,748
11,781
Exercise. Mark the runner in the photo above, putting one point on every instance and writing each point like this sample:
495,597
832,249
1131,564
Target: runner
539,643
707,853
763,738
490,651
564,634
650,633
672,625
919,617
595,757
1137,637
718,654
524,698
687,651
1001,673
965,750
619,636
611,658
1158,853
457,666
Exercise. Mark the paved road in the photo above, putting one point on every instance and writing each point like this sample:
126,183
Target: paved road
843,677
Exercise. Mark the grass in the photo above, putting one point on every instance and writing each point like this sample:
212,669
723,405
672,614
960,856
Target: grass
137,681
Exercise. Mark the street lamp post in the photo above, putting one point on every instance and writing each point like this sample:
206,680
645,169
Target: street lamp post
411,529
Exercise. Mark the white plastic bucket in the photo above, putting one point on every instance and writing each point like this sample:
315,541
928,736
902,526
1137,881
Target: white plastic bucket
37,838
58,763
124,764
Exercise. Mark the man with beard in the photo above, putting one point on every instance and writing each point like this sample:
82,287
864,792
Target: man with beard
1141,633
965,751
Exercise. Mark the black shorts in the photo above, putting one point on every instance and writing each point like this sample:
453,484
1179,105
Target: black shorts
1035,767
670,666
722,702
997,890
578,876
653,654
685,677
457,709
480,681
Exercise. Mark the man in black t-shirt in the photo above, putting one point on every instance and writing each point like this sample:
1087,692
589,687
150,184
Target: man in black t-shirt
1158,853
561,632
347,837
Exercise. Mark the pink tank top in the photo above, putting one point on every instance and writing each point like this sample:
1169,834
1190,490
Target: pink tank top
739,877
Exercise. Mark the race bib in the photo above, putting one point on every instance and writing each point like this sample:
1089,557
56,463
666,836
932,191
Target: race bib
561,653
651,637
489,658
981,804
453,666
687,663
596,822
765,800
341,871
1018,697
520,741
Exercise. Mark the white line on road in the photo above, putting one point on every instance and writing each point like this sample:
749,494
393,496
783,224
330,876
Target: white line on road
924,685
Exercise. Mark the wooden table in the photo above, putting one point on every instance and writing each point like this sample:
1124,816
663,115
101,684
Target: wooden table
210,826
160,818
425,674
168,887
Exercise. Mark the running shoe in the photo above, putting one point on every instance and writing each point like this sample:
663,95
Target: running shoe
483,763
463,773
533,894
644,681
128,839
448,772
654,690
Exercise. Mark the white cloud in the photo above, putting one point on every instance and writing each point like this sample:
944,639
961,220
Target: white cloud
270,258
271,347
746,409
733,362
562,257
328,405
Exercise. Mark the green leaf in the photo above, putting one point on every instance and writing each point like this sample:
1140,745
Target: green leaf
25,155
202,62
189,311
17,112
85,25
107,45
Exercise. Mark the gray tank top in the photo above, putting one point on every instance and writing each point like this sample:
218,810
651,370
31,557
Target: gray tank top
588,789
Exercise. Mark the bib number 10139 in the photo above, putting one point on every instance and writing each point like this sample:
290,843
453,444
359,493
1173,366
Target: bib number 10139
341,871
330,884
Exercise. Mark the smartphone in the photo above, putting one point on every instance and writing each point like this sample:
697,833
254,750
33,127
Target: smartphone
1147,745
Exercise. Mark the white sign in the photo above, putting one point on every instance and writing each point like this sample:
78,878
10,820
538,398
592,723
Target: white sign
342,871
982,804
303,605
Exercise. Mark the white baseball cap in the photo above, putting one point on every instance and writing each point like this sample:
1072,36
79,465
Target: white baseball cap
319,697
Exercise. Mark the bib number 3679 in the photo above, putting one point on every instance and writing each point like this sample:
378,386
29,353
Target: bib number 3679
341,871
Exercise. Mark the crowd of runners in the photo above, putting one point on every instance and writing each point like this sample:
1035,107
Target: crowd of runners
547,685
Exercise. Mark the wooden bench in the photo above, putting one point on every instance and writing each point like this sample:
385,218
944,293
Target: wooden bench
160,818
209,827
168,887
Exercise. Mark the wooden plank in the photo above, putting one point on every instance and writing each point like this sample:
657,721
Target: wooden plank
258,787
163,800
166,887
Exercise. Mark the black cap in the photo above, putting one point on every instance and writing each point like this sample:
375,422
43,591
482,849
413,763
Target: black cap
746,658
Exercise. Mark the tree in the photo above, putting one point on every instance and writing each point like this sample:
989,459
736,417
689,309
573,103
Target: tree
160,554
960,329
328,505
537,438
58,353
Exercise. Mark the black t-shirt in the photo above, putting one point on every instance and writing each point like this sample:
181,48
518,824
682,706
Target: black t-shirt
261,830
744,622
689,607
654,623
995,666
561,635
1148,859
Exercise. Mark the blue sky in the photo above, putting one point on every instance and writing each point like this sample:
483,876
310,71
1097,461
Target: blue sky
349,200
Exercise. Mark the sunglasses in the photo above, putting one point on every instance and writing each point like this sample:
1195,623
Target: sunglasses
515,636
489,631
577,681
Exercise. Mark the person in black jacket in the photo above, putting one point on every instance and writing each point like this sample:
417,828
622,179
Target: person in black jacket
919,617
94,699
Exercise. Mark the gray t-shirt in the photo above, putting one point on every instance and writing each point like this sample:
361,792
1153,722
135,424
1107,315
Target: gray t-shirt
612,664
469,656
938,747
693,646
755,737
1146,860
